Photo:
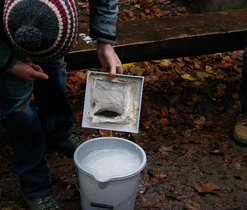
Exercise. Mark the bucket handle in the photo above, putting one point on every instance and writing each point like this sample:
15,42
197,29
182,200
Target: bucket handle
106,206
100,205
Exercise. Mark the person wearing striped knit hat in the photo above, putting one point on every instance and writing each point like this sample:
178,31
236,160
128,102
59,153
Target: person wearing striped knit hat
35,35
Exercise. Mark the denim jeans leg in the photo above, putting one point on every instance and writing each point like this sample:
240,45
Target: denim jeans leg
25,136
54,108
243,85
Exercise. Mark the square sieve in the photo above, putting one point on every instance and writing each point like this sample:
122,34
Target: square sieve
112,105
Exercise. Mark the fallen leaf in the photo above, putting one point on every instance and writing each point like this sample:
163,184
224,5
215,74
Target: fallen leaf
164,111
137,6
105,132
150,79
164,121
128,65
165,63
206,187
172,110
139,71
188,77
77,116
190,204
164,151
200,121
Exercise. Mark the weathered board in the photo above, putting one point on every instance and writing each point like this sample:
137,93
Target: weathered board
168,37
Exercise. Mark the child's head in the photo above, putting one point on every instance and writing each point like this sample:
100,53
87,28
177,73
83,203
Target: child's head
43,30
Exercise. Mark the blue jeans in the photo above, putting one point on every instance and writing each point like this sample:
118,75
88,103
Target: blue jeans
243,85
28,129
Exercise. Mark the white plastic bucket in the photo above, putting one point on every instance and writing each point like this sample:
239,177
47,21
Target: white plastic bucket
118,192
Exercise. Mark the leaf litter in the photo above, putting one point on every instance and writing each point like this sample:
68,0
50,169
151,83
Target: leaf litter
189,108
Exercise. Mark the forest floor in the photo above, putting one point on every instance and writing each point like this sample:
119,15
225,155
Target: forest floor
190,106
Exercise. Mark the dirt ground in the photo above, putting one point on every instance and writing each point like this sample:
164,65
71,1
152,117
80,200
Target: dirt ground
193,161
189,109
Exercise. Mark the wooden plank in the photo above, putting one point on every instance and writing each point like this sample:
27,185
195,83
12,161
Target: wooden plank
214,5
169,37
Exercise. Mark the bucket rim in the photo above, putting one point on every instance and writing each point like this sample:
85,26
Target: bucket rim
120,177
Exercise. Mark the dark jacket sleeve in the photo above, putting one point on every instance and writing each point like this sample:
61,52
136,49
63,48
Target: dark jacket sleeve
103,18
7,57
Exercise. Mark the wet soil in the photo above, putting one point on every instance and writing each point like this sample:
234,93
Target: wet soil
193,161
189,110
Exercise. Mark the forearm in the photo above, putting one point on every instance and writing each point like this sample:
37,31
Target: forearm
103,18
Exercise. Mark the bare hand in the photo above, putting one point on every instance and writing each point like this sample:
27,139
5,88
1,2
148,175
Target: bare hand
109,59
28,71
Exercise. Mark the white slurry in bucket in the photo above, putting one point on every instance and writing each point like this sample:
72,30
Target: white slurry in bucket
110,162
109,173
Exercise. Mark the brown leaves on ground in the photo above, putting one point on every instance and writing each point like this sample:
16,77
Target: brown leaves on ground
187,72
186,125
75,90
186,103
130,10
165,103
206,187
188,112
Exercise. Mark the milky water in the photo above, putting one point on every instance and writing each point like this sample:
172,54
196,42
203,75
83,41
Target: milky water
110,162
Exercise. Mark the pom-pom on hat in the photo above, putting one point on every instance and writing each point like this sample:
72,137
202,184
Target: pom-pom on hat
43,30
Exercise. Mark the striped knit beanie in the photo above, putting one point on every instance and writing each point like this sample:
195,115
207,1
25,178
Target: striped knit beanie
43,30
